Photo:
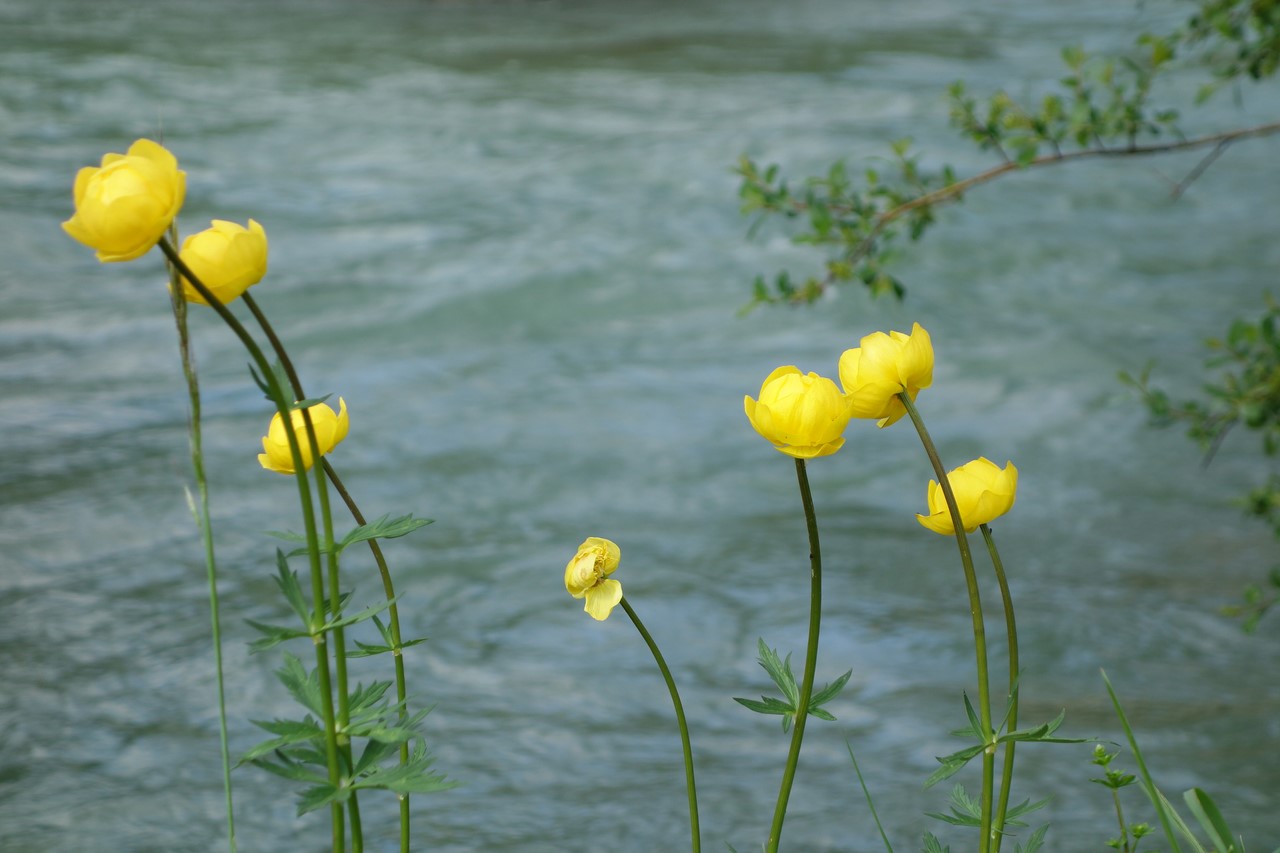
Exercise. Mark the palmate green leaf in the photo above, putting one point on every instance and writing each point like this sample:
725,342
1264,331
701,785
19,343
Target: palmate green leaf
320,796
303,686
412,777
933,845
288,583
829,692
384,528
275,635
1034,842
361,616
1023,808
290,770
780,671
766,705
951,764
288,732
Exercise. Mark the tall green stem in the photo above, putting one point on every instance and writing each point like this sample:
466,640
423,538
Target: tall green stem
975,613
690,787
281,398
1011,723
810,660
203,521
394,626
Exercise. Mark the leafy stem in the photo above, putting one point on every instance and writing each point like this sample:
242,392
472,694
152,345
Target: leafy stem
985,731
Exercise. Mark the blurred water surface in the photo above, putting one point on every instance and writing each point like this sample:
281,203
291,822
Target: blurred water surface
507,234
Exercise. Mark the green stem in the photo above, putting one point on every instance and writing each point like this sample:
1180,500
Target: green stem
384,571
810,660
1011,723
204,522
690,787
322,471
281,398
394,626
975,613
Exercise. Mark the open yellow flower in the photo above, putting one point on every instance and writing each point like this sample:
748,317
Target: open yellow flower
883,366
227,258
803,415
586,576
124,206
983,491
330,429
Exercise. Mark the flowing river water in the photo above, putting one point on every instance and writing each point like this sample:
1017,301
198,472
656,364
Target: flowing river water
507,234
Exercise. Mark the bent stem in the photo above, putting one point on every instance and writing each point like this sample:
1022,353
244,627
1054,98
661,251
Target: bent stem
1011,629
975,613
394,620
690,787
281,398
200,509
810,659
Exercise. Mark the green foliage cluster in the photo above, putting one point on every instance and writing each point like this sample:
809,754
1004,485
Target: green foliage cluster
1246,392
1100,107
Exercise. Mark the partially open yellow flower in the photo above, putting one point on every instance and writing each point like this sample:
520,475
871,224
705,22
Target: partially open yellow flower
124,207
882,367
983,492
330,429
227,258
803,415
586,576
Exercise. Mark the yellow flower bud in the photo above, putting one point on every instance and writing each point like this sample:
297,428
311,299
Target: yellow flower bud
802,415
124,207
227,258
586,577
330,429
882,367
983,492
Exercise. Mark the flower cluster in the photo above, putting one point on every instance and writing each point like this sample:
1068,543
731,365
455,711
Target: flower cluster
804,415
124,207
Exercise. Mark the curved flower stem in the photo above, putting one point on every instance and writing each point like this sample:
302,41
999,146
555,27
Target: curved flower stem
810,660
394,626
203,521
281,398
1011,720
975,613
680,721
334,577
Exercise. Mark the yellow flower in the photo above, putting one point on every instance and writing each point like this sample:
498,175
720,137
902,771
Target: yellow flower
983,492
227,258
585,577
882,367
803,415
124,207
330,430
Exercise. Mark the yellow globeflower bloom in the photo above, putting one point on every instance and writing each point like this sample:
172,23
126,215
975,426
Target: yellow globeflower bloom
804,415
330,429
586,577
227,258
983,492
882,367
124,207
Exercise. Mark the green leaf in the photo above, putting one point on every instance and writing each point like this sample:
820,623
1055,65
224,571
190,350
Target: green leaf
384,528
933,845
1034,843
275,635
829,692
952,763
1210,819
302,685
288,732
361,616
288,583
780,671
